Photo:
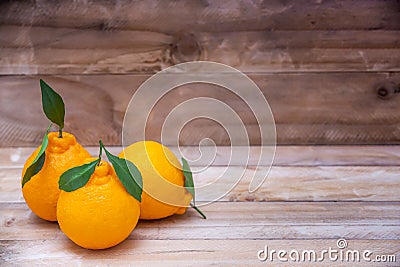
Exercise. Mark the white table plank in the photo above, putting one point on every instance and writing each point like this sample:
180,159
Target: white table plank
237,220
180,253
335,155
326,183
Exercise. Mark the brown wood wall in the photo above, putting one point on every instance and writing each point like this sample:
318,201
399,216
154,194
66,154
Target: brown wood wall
319,64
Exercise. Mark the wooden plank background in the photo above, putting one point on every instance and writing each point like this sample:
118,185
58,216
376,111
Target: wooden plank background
319,65
314,108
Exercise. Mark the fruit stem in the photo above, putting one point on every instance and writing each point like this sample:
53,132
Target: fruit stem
60,133
198,210
100,151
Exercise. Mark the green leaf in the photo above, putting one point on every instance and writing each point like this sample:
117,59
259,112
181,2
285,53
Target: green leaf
127,173
38,162
33,169
199,211
44,144
77,177
189,184
53,105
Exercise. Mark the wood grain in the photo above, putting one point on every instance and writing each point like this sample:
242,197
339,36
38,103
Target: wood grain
50,50
226,221
194,252
257,37
367,155
161,16
358,203
112,37
325,183
314,108
318,64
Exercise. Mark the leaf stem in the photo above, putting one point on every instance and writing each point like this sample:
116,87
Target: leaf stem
198,210
60,133
100,151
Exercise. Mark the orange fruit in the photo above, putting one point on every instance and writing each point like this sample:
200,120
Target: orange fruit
163,180
41,192
101,214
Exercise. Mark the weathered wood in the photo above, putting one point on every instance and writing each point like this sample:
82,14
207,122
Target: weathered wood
318,64
242,228
234,220
177,16
181,252
12,157
338,183
49,50
335,108
318,184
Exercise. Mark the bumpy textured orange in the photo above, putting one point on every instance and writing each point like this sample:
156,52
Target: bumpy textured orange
100,214
159,168
41,192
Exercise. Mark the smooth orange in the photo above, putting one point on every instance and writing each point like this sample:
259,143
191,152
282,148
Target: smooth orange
41,192
163,180
100,214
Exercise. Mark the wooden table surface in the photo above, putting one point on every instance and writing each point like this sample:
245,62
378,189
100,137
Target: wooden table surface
313,196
